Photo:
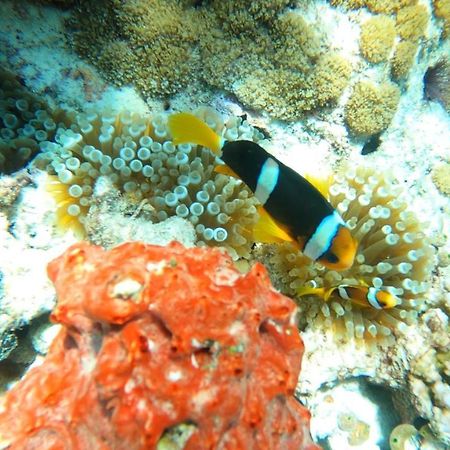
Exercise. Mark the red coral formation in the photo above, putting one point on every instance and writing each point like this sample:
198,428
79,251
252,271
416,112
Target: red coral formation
161,348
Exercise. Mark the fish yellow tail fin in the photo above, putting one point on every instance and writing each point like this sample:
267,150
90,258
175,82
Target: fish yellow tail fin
187,128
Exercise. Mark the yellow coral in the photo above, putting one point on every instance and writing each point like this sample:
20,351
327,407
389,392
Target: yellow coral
330,78
351,4
377,38
371,108
147,43
412,22
287,94
403,58
377,6
393,253
268,57
441,178
442,10
388,6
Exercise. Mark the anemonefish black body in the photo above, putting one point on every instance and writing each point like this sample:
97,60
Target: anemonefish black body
364,296
292,208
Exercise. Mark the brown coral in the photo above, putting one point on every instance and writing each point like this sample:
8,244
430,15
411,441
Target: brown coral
267,57
371,107
298,92
161,346
442,10
441,178
147,43
412,22
377,6
403,59
377,38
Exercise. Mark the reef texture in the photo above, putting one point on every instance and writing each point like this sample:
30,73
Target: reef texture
136,154
377,38
161,348
264,53
428,380
371,107
441,178
442,11
393,253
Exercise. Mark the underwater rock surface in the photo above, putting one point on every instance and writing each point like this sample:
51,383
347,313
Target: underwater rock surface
162,346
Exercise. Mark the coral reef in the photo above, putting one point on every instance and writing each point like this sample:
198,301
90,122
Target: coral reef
10,187
441,178
442,10
264,54
376,6
25,121
400,24
344,415
377,38
286,94
371,107
135,152
393,253
162,344
412,22
403,59
428,379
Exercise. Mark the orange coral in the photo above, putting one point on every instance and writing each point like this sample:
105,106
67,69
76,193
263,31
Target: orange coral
161,345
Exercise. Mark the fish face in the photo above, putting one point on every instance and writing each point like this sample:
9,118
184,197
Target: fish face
342,251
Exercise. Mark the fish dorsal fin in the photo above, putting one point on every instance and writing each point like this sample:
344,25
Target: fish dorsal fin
322,184
186,128
268,231
226,170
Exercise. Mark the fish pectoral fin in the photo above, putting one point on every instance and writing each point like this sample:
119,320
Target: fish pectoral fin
305,290
267,230
226,170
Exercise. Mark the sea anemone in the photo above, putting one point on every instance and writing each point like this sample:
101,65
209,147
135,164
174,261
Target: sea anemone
25,121
393,254
136,153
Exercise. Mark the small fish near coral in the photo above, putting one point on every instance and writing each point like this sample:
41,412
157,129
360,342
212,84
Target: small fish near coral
364,296
292,209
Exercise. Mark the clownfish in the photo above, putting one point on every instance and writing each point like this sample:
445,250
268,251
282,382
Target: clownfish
292,209
364,296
